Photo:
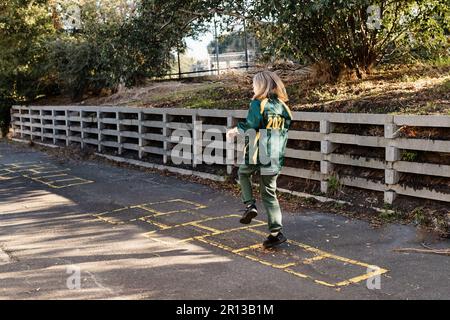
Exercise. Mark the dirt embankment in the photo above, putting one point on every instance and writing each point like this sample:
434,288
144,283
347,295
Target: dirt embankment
413,89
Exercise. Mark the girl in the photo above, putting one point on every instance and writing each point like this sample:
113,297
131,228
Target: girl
269,118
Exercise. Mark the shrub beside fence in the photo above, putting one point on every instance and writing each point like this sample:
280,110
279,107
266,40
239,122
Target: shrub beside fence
364,151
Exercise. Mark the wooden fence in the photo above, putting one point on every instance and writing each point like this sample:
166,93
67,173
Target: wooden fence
321,146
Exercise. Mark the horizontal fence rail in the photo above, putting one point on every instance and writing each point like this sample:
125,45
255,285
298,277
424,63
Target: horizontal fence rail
318,146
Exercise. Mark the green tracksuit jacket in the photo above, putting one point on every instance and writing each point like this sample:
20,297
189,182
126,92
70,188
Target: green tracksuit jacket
270,118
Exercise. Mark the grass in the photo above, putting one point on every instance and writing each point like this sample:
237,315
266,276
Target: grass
389,215
334,185
420,216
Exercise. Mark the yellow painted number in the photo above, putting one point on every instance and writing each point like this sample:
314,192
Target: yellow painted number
275,122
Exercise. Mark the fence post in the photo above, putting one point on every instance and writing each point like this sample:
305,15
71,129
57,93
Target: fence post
21,122
229,147
31,124
119,137
326,148
141,132
99,132
41,118
54,124
165,129
67,113
82,129
197,141
392,176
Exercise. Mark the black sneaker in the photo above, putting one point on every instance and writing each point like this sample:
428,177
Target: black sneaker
274,240
249,214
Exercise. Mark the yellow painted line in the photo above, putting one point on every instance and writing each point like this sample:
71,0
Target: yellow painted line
37,169
218,232
52,171
305,276
41,181
149,218
110,221
298,274
112,211
147,209
19,170
218,245
323,254
159,240
195,224
37,174
68,179
255,246
363,277
16,164
250,257
196,221
317,258
213,230
324,283
320,252
51,176
196,205
158,224
71,185
243,251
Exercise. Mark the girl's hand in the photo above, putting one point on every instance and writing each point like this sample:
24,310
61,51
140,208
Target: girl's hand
231,133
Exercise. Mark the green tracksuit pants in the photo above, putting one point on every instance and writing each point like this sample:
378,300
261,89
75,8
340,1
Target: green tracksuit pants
268,187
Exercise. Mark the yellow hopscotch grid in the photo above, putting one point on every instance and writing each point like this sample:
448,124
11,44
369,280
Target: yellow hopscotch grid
147,206
321,255
152,213
38,171
243,252
6,174
212,231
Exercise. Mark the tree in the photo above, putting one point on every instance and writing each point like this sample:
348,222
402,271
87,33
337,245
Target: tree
123,46
25,27
346,34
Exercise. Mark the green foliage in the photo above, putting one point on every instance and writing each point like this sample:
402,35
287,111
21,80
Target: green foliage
334,185
410,156
420,216
389,215
25,27
42,53
125,46
116,43
337,32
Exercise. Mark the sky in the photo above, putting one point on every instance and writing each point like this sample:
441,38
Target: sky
197,48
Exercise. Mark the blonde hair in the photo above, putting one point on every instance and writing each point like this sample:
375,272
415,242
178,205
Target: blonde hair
266,83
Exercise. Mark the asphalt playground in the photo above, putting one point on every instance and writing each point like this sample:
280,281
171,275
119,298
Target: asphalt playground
92,230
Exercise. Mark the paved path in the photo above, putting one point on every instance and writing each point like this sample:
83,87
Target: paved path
132,234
